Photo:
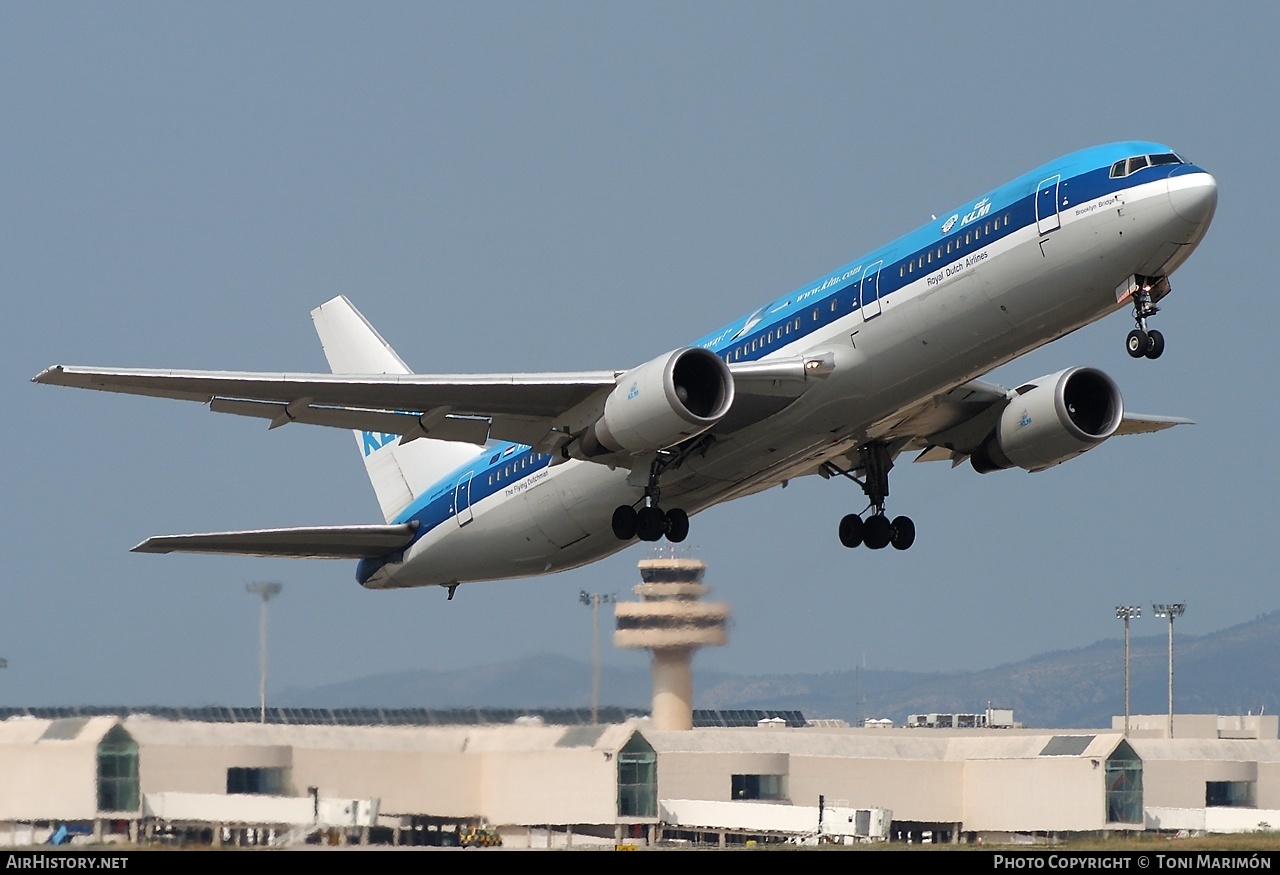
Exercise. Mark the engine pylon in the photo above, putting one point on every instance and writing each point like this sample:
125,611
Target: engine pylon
671,623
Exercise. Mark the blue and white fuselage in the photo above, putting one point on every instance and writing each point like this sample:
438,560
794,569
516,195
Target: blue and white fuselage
986,282
493,476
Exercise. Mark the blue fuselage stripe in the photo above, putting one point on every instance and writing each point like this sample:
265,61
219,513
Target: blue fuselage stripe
1084,176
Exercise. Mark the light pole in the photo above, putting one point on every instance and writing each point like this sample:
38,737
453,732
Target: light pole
1127,613
267,591
1172,612
593,600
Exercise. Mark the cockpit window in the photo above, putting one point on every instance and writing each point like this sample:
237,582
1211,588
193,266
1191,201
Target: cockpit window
1137,162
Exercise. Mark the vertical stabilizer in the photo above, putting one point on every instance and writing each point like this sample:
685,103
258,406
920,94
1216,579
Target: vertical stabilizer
399,472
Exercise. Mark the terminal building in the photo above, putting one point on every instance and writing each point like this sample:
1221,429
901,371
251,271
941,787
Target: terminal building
555,779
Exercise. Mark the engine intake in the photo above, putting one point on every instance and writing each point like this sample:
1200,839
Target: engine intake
660,403
1051,420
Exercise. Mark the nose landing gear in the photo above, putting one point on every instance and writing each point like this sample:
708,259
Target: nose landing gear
876,531
1142,342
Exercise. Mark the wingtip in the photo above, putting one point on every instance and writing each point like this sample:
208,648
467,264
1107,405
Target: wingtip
47,375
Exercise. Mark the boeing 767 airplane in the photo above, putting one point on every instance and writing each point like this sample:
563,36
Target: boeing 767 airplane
491,476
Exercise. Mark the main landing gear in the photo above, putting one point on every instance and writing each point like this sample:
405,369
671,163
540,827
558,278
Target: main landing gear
650,522
876,531
1142,342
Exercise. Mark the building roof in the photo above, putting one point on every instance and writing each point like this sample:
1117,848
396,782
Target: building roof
72,730
881,744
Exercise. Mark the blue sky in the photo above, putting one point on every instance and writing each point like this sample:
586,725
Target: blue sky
561,186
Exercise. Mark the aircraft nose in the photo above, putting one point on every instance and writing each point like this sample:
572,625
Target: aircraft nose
1194,196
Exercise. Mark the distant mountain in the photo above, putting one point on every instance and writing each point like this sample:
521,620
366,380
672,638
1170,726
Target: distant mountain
542,681
1232,671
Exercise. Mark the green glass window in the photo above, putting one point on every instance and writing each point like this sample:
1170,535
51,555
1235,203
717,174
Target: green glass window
637,779
1124,786
118,772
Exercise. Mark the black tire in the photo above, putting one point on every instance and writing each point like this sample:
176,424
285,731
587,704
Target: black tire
624,522
851,531
677,525
1137,343
1155,344
904,533
877,532
651,524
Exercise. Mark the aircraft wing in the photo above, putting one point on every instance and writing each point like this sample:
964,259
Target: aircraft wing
1145,423
471,408
951,427
317,542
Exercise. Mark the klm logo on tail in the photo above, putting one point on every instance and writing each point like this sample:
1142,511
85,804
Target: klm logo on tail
372,441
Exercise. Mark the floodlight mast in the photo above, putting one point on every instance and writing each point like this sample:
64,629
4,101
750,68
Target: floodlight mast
593,600
1127,613
1172,611
267,591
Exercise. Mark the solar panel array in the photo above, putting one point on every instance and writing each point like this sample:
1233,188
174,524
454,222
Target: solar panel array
397,716
745,717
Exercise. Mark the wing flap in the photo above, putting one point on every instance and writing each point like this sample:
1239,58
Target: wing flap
468,430
314,542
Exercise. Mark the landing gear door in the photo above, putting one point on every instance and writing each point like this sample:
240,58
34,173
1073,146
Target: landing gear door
869,292
462,499
1047,205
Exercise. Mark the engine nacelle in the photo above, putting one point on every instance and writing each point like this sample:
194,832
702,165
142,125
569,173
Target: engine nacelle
1057,419
661,403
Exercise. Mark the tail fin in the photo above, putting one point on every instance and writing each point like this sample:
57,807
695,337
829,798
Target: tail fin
399,472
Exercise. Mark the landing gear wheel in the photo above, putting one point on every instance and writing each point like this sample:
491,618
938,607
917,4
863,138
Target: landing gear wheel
877,532
904,533
677,525
851,531
1138,343
651,524
624,522
1155,344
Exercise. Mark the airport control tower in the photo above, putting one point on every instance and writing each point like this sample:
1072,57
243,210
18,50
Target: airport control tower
671,623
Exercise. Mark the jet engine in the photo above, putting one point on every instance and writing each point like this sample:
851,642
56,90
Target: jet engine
1051,420
660,403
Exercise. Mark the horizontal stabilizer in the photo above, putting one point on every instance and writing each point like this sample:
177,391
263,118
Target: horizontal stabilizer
315,542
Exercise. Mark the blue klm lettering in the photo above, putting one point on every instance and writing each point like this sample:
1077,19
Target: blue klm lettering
372,441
